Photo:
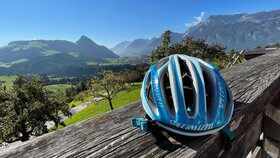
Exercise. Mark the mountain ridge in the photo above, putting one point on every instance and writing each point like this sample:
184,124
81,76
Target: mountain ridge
51,54
239,31
142,46
233,31
83,46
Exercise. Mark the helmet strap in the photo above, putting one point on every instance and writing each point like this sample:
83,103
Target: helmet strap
145,123
229,138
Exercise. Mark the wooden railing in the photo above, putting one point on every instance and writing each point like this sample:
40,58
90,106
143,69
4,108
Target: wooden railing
256,89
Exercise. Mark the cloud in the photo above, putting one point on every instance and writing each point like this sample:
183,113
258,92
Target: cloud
197,20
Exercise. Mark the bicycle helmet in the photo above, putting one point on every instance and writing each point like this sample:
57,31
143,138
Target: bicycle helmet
187,96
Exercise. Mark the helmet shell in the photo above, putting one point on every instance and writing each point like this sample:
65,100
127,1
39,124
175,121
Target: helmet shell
186,95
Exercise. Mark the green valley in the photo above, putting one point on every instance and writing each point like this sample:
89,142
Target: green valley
123,98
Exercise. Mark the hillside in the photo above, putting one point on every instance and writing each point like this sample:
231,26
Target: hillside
43,56
239,31
235,31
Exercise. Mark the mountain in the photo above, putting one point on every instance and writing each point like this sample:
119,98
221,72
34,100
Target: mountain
40,56
142,46
239,31
83,48
87,48
121,46
235,31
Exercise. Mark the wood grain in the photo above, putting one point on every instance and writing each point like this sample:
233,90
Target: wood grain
254,84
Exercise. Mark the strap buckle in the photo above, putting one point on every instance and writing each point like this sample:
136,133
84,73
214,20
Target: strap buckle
140,122
230,137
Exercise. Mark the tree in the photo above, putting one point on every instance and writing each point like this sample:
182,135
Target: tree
20,80
26,107
166,39
108,86
214,51
70,93
275,45
141,70
190,46
81,86
131,76
162,50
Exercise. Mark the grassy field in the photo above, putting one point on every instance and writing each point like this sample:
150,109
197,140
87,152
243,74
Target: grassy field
56,87
81,98
9,64
50,52
123,98
74,54
91,63
7,80
75,103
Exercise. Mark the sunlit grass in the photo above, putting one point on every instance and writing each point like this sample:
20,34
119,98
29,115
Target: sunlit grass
7,80
50,52
9,64
123,98
56,87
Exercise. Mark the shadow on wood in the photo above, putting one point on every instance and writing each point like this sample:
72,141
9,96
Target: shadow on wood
254,84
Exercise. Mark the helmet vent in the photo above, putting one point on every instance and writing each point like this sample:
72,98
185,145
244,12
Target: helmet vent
167,94
188,88
149,93
209,92
162,62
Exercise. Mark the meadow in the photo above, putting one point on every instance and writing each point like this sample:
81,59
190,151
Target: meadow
57,87
7,80
121,99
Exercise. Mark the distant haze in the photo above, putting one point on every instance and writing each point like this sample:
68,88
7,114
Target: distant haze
234,31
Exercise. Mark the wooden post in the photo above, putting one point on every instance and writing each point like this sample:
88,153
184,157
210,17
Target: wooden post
235,58
272,130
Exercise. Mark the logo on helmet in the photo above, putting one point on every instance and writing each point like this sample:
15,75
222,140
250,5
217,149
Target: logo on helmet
157,92
192,127
222,95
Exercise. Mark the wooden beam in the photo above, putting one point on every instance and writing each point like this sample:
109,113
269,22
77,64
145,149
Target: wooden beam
272,148
254,84
272,122
257,153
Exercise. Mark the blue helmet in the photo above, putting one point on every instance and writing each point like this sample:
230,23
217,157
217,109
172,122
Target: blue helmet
187,96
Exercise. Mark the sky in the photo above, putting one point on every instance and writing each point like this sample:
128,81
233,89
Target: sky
109,22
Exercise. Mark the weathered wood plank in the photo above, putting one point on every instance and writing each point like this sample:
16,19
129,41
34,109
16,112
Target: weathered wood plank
272,122
254,84
257,153
272,148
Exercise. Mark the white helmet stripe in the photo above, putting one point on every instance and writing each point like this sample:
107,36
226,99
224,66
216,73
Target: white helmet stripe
173,84
200,89
195,84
